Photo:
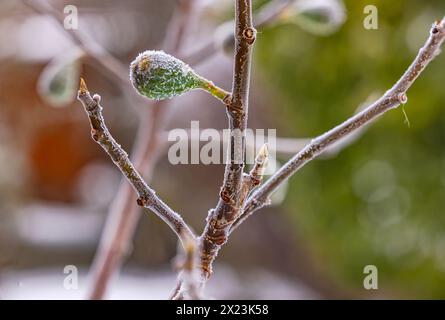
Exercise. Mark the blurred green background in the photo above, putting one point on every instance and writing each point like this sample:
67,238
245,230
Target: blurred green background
380,201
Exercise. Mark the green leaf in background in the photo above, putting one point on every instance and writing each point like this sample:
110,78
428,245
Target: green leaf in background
320,17
57,84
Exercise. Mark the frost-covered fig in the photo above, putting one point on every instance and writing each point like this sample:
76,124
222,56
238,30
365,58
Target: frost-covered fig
158,75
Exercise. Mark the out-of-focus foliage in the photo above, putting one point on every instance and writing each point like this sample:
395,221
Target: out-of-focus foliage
381,201
59,80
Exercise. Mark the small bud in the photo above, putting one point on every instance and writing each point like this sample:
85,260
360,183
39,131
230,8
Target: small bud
158,75
261,160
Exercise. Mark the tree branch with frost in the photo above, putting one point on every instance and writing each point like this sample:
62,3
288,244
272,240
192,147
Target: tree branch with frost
229,205
188,285
393,98
157,75
147,197
123,215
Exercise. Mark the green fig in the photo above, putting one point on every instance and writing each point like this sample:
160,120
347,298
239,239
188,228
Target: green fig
158,75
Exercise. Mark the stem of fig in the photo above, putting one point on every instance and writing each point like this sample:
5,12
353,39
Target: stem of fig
214,90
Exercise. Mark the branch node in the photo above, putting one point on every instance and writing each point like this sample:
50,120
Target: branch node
144,201
225,196
249,34
228,100
438,26
94,134
235,110
402,97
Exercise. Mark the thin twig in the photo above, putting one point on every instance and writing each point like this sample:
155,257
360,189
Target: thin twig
390,100
189,276
229,205
124,215
147,198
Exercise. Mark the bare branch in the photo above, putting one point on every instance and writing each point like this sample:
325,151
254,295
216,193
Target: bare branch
188,279
390,100
229,205
146,196
123,215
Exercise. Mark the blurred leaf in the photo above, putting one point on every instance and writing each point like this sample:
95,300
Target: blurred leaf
58,82
320,17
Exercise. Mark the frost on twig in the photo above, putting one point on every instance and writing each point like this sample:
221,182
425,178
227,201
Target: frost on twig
229,204
390,100
146,196
123,216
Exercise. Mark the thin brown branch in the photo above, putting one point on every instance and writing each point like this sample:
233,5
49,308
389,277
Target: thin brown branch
147,198
188,279
390,100
124,215
229,205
